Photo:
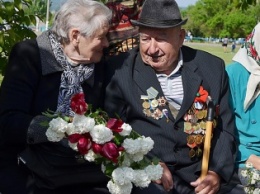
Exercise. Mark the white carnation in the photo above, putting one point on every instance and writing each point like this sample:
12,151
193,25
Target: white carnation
256,175
122,175
70,129
132,146
127,160
56,130
141,179
90,156
119,189
244,173
83,124
73,145
247,190
126,130
154,172
146,144
249,165
54,136
140,145
101,134
58,125
137,156
256,191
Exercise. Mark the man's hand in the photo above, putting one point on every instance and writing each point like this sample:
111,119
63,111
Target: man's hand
255,161
166,179
210,185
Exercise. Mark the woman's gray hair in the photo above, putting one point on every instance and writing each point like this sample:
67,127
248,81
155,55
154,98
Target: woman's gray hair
86,15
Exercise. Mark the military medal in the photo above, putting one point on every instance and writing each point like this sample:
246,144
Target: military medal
146,105
152,106
195,123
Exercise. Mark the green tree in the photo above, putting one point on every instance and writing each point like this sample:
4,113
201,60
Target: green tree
244,4
210,19
38,9
14,24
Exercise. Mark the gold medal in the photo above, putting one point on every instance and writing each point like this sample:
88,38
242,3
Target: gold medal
192,153
147,112
202,125
198,139
199,152
190,139
200,115
146,104
154,103
187,128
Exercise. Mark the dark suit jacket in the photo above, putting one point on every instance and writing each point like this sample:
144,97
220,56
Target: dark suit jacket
132,78
30,87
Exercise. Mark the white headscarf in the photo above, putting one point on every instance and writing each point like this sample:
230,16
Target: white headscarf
249,56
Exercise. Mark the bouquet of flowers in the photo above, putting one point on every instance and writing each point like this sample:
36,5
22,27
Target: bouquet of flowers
109,142
251,179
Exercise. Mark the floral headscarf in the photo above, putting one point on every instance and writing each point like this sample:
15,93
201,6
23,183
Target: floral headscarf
248,56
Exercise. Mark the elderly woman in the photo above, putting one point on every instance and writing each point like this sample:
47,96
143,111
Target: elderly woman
244,79
43,74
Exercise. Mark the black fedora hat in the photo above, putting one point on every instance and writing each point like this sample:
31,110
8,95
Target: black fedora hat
160,14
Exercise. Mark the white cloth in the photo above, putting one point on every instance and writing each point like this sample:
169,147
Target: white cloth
248,56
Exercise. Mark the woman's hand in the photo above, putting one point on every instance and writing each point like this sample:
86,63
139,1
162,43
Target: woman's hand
166,179
210,185
254,160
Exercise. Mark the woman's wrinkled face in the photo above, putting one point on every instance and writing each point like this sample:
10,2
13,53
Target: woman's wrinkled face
92,47
159,48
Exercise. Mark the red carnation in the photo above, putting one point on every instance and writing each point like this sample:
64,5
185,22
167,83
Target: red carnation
115,125
84,144
110,151
202,95
74,138
97,148
78,104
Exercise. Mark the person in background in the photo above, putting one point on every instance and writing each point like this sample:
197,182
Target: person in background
43,74
160,89
244,80
233,46
225,44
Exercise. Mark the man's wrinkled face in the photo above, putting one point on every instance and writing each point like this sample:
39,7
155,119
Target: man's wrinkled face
159,48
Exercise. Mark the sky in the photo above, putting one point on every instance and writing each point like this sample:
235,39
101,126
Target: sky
186,3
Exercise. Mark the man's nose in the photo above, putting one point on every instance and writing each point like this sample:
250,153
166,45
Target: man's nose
153,48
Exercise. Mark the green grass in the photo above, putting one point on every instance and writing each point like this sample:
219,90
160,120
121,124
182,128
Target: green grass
215,49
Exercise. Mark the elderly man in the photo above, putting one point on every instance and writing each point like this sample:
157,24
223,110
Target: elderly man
162,89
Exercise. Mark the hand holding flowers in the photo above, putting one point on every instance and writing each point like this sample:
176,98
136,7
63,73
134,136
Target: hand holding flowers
107,141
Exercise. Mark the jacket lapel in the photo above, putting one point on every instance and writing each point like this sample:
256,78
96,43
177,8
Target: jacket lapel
191,83
145,77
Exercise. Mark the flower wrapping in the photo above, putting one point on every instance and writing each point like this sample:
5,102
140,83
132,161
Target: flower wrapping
109,142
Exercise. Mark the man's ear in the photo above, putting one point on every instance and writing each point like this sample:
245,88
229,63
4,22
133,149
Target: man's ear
74,36
182,36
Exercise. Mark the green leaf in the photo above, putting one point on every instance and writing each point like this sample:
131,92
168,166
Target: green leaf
155,161
18,4
33,19
109,169
9,6
44,124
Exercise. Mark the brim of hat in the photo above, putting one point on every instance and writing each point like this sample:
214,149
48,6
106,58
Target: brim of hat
155,25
